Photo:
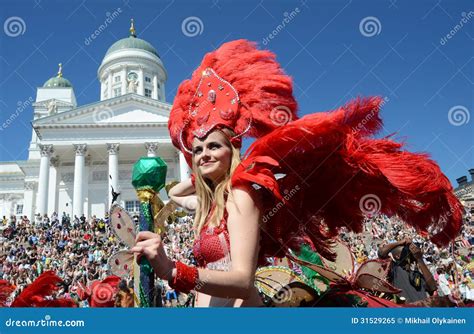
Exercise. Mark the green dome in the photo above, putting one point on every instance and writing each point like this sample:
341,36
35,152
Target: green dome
132,43
57,82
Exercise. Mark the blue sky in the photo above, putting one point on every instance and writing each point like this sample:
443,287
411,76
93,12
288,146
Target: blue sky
334,50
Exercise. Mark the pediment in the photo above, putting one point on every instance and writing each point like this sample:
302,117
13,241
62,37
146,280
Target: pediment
129,109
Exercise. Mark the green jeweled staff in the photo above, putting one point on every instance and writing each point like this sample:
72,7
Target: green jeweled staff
148,178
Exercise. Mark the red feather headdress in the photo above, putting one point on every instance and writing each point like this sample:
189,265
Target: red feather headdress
236,86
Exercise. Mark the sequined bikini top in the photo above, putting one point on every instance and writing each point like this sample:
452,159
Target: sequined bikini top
212,246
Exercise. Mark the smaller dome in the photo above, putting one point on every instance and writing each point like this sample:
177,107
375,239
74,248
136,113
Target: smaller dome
57,82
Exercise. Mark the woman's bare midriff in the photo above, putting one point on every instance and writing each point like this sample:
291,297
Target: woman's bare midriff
203,300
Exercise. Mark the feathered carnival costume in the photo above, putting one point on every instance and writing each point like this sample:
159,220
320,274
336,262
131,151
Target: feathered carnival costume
310,174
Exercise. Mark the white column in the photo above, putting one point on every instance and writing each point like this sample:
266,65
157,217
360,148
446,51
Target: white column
42,199
154,91
113,149
29,200
109,86
78,194
124,80
53,189
102,89
151,149
184,171
141,83
163,93
85,186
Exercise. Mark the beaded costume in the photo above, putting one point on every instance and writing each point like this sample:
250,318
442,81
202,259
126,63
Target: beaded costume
212,247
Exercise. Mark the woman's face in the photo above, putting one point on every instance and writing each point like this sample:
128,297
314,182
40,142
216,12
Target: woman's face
212,156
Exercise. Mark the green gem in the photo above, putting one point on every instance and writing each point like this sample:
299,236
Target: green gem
149,172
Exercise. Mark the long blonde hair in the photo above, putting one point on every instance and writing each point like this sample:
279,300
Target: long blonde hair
208,194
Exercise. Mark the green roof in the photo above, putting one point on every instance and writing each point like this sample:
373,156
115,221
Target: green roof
132,43
57,82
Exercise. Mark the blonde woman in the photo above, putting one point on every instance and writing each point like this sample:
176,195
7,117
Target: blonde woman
299,182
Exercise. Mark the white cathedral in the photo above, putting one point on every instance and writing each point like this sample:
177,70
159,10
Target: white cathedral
78,153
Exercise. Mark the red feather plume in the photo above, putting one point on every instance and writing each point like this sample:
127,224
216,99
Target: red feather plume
263,88
331,163
35,295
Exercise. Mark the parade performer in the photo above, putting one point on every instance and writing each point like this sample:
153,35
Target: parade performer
300,181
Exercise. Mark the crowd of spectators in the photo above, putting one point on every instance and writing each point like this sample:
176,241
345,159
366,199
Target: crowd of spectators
78,250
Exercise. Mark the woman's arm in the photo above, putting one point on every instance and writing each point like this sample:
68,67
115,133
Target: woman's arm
183,194
386,249
243,225
431,285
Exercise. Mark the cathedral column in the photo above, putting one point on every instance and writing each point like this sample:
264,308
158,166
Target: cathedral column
29,200
151,149
53,186
113,149
141,82
154,91
42,199
109,86
85,186
78,193
124,80
184,171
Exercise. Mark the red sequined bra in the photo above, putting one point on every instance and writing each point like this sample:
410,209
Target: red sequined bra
212,246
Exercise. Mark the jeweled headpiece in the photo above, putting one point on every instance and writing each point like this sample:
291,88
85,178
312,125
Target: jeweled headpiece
237,87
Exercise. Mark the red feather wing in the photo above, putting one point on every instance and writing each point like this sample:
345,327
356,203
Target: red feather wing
334,171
